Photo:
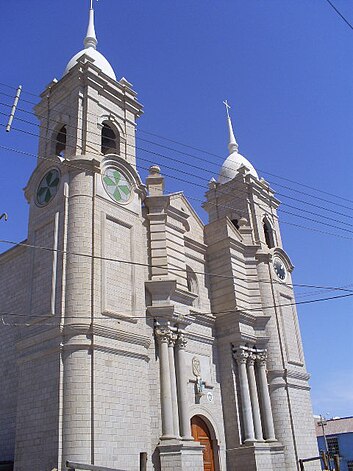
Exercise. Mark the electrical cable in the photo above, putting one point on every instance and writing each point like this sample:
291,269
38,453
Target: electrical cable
69,164
215,155
219,191
196,314
163,156
167,268
202,186
340,14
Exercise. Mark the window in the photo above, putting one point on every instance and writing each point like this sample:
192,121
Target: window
60,142
110,140
332,444
350,465
235,223
268,234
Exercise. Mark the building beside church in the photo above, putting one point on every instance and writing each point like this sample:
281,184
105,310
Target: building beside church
335,436
135,327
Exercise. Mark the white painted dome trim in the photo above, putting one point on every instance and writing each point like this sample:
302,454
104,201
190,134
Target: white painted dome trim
98,59
90,42
231,166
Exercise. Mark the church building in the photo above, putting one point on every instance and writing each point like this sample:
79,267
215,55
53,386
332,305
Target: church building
134,327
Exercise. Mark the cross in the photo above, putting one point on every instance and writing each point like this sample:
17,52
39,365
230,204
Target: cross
226,104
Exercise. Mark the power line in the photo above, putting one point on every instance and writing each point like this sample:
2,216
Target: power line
209,153
339,14
69,164
196,314
202,186
204,170
166,267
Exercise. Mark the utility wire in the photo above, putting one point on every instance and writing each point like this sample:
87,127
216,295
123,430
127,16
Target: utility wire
203,169
203,151
218,190
196,314
203,179
165,267
70,165
339,14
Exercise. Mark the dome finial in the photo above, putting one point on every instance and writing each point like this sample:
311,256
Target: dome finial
233,145
91,38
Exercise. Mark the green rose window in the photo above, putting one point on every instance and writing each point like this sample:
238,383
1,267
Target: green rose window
48,187
116,185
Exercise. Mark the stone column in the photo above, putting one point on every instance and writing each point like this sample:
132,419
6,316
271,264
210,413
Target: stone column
171,344
242,357
184,420
163,335
265,398
254,397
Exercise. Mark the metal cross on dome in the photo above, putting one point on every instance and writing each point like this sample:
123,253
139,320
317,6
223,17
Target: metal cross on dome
227,105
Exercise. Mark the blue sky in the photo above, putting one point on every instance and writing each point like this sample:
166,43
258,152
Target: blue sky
286,67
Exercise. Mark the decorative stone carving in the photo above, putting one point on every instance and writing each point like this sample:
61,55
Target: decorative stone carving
262,359
172,338
241,356
163,334
181,341
252,357
196,367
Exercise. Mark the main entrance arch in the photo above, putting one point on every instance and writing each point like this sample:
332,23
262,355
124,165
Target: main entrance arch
201,433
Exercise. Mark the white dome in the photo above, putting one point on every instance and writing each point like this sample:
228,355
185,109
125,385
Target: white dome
231,167
99,61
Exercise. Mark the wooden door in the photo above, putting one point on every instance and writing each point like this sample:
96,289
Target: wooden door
201,434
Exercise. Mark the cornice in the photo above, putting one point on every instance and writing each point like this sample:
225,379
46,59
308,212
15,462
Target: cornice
200,338
299,375
120,352
201,318
195,246
183,296
121,335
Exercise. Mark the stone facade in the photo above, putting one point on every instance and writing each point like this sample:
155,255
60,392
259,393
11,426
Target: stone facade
133,317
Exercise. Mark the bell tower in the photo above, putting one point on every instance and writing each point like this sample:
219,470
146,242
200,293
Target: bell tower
86,344
269,418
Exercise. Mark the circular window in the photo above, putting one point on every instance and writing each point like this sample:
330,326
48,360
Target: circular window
48,187
117,185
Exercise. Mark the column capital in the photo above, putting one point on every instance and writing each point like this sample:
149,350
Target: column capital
181,341
241,356
163,333
262,359
252,357
172,339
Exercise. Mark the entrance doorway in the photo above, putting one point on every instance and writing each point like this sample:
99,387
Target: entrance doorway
201,433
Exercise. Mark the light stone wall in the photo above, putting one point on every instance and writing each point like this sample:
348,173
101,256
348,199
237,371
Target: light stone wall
37,432
121,409
13,299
